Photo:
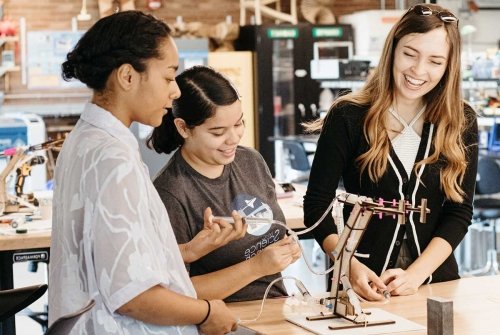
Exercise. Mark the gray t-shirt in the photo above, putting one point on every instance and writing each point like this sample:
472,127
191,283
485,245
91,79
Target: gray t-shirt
246,186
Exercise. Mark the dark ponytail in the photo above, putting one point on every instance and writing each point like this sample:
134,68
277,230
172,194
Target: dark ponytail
202,90
165,138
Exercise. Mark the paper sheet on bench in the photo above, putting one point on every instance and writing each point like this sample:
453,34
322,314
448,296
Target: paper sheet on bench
321,326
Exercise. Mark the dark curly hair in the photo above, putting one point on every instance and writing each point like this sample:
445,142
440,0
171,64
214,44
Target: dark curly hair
129,37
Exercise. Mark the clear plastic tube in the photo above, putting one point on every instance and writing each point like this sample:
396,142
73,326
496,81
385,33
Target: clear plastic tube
295,235
307,296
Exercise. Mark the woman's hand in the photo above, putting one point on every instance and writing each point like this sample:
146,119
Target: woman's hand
277,256
215,234
220,321
401,282
406,282
365,282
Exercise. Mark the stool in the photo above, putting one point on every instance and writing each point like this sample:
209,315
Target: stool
491,266
260,8
42,318
297,159
487,207
472,253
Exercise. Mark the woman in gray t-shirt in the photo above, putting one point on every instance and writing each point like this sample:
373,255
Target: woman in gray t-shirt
210,169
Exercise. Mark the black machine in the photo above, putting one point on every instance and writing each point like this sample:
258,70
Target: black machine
285,92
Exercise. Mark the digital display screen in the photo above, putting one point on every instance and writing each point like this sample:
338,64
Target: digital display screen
335,52
328,50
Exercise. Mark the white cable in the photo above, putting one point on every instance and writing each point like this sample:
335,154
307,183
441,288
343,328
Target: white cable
296,238
292,233
328,210
265,296
258,220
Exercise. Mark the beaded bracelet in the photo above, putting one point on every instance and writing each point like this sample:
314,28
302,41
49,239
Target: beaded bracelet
208,313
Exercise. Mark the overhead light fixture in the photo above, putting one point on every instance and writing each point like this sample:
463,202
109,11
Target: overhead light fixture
154,4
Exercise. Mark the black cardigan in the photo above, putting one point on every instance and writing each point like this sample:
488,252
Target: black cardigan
340,143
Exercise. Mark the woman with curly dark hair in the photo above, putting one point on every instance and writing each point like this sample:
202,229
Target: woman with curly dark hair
111,236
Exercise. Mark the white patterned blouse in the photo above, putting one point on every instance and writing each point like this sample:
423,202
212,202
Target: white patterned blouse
111,235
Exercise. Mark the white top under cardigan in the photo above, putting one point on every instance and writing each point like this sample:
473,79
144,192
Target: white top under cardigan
111,235
406,143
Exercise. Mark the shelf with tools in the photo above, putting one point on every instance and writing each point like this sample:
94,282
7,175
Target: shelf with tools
8,59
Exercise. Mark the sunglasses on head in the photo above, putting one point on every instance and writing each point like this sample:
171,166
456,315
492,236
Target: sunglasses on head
444,16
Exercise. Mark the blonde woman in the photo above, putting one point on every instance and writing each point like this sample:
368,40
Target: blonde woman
406,135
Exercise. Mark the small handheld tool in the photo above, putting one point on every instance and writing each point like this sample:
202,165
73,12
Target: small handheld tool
25,170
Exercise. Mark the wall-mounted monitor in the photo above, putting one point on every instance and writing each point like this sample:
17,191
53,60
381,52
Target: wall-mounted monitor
326,58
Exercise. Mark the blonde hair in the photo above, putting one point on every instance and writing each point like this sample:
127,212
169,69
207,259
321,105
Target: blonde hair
445,108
